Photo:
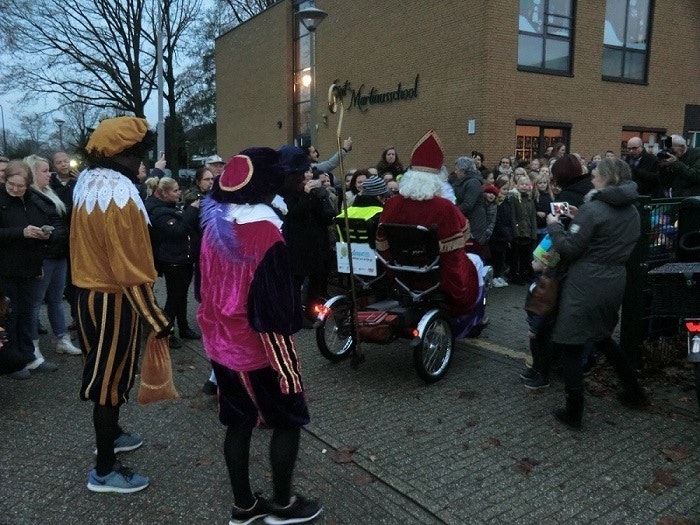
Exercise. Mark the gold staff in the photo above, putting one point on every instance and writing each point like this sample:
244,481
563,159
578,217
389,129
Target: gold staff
335,99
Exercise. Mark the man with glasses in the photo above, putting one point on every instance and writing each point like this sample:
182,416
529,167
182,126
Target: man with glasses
680,169
645,168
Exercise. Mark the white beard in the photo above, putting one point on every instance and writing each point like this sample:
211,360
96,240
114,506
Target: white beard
420,185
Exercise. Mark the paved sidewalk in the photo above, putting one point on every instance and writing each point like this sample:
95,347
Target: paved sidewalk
382,447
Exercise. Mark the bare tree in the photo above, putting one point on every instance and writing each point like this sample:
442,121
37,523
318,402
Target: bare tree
241,10
81,120
87,50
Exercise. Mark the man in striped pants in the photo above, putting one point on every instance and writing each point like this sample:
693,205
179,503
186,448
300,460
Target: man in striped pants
113,270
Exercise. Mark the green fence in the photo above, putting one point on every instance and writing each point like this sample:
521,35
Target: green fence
657,245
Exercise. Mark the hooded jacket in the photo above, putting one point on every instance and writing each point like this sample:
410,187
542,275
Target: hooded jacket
470,201
597,245
174,234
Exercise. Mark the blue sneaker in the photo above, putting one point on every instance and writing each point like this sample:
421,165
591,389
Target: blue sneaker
121,480
126,442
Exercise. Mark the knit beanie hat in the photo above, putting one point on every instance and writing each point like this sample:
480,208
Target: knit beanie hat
545,252
374,186
490,188
292,159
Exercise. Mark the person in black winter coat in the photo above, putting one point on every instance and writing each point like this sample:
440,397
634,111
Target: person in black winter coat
502,235
22,248
305,229
568,175
174,236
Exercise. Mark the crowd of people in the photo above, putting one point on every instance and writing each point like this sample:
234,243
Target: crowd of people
257,236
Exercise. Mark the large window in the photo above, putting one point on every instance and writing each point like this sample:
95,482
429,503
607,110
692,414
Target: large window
302,80
533,138
650,137
545,36
626,39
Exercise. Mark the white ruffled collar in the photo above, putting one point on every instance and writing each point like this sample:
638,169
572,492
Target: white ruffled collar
101,186
247,213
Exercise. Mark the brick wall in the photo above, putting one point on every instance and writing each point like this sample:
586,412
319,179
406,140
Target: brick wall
466,55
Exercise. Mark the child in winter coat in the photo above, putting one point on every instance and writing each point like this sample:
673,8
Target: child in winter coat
542,196
541,306
524,228
502,235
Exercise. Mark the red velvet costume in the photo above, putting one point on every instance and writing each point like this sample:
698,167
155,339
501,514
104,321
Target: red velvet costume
458,276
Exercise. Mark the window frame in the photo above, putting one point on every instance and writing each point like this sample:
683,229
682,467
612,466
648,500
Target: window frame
544,36
301,130
543,125
642,132
625,49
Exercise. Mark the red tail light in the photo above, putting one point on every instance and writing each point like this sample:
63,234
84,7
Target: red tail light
321,310
415,332
692,325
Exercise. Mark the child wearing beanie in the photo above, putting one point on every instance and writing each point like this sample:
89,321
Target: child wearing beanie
541,306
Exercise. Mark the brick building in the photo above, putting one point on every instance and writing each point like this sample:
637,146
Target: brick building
498,76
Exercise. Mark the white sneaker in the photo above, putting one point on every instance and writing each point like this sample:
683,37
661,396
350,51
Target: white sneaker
66,346
499,282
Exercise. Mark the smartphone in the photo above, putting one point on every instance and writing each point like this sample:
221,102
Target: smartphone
47,229
559,208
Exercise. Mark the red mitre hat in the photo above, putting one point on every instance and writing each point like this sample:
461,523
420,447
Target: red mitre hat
428,154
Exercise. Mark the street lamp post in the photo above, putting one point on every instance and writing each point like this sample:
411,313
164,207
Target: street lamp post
311,17
4,139
60,122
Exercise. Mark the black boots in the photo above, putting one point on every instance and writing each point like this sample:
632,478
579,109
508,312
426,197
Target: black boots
572,415
635,398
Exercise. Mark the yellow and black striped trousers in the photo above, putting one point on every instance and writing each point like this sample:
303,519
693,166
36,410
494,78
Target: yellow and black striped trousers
110,337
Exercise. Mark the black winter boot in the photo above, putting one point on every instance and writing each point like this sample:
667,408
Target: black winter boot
635,398
572,415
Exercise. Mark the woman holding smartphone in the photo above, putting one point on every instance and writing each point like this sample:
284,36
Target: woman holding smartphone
596,247
22,243
51,286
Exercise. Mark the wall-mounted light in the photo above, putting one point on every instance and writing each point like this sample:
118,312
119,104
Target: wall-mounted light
279,124
311,17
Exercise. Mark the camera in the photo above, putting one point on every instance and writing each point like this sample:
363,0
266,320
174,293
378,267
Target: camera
666,151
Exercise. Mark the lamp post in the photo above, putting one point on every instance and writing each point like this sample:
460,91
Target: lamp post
310,18
4,139
60,122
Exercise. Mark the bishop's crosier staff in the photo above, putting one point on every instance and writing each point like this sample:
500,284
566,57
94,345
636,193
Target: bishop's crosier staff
335,99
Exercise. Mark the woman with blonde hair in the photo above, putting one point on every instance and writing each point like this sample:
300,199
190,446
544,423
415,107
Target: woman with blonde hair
524,220
174,235
151,184
51,286
542,196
